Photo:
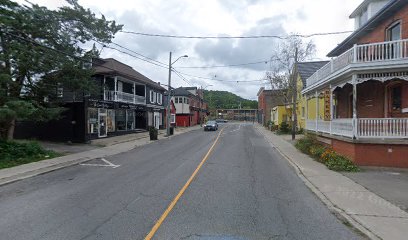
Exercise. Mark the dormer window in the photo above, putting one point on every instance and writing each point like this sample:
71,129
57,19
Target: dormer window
394,32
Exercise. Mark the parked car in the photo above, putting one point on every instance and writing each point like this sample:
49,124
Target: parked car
221,120
211,126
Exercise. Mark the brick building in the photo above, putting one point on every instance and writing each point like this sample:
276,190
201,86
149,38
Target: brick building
365,88
268,99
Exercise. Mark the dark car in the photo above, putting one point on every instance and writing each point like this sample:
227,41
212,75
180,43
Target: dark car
211,126
221,120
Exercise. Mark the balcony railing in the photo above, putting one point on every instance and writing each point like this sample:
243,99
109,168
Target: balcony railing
124,97
376,128
366,53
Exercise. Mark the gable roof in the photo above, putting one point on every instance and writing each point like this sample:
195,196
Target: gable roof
113,66
386,12
181,92
306,69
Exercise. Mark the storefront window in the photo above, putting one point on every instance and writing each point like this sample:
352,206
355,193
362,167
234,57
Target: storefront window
93,120
121,120
111,120
130,120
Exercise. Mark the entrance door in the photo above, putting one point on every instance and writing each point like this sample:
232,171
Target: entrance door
102,118
156,120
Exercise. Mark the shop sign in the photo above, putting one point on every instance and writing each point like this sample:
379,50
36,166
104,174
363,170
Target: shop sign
100,104
327,105
132,107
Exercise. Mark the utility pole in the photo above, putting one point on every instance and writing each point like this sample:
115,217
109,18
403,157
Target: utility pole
169,99
294,82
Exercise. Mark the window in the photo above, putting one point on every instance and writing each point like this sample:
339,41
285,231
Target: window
110,121
151,96
121,120
130,120
93,120
159,98
396,98
394,32
60,92
173,118
176,100
303,112
188,100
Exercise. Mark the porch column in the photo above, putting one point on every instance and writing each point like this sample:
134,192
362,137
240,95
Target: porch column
104,88
307,108
355,125
331,108
116,89
134,93
317,110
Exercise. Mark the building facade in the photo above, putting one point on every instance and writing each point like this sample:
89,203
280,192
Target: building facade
365,88
190,107
126,102
267,100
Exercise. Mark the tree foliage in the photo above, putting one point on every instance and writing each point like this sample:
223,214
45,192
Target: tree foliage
227,100
41,49
281,70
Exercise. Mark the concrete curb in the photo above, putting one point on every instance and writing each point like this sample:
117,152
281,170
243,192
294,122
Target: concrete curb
343,216
10,175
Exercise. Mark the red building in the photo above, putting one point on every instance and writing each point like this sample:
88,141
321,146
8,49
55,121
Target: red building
190,107
366,82
268,99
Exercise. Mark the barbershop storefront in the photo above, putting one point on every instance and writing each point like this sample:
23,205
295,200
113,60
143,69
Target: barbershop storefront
107,118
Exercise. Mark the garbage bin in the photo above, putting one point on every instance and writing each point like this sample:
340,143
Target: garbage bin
171,130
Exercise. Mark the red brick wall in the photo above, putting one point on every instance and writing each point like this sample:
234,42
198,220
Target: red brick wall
380,155
183,120
379,33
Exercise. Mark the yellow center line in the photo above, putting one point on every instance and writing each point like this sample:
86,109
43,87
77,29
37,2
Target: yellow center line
183,189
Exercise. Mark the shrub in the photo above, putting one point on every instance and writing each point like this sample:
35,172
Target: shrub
304,144
300,131
317,151
341,163
284,128
336,162
14,153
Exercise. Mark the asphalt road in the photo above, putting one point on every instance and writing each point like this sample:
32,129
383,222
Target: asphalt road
244,190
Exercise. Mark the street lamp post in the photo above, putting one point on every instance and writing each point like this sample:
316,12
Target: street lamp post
169,92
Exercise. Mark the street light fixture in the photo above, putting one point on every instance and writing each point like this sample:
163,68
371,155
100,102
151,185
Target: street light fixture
169,92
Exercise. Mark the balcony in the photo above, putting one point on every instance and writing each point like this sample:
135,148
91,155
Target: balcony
367,56
124,97
362,128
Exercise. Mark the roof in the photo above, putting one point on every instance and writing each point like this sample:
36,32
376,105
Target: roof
386,12
306,69
113,66
181,92
269,92
361,8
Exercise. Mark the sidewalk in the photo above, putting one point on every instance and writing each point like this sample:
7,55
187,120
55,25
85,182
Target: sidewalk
366,211
114,146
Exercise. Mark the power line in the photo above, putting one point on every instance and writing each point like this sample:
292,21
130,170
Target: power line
235,37
67,54
232,65
130,50
219,80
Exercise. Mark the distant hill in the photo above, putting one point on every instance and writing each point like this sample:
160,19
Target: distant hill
227,100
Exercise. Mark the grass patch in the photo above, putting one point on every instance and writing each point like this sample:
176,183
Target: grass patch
14,153
325,155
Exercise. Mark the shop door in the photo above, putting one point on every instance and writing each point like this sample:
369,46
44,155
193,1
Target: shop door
157,120
102,118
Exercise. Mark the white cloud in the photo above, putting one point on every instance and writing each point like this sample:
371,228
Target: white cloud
212,17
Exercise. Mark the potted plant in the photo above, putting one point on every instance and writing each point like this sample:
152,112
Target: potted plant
153,133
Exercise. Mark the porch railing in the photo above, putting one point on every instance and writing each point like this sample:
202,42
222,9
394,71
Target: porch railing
124,97
381,128
366,53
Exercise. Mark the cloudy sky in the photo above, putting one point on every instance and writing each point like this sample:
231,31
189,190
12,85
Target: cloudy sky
217,18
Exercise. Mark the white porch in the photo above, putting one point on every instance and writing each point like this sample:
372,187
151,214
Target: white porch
360,128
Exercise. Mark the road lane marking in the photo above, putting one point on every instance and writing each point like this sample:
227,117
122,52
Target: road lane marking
108,164
183,189
239,127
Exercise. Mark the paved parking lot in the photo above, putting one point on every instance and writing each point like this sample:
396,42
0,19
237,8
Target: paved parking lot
389,183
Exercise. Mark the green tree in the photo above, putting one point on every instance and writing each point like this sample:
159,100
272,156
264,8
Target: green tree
41,49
